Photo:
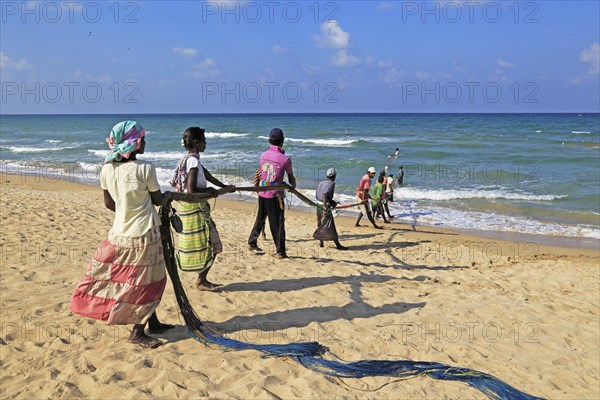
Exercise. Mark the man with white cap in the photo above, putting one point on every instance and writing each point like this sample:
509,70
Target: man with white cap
324,194
362,196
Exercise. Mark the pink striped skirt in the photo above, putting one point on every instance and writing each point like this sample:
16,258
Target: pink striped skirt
124,281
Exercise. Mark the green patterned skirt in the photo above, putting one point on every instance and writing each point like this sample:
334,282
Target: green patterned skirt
199,241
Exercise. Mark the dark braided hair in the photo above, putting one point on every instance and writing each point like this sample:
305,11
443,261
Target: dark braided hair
191,136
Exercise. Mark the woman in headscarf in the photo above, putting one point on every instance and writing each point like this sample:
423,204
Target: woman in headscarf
126,277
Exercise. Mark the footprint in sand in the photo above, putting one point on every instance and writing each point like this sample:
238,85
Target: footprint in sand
54,373
85,367
111,377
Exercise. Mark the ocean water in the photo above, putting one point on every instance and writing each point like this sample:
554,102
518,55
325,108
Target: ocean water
526,173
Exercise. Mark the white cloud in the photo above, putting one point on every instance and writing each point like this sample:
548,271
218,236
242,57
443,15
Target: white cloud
457,68
332,35
592,56
385,5
391,75
343,82
185,51
504,64
311,69
384,64
20,65
103,78
207,67
343,59
422,75
498,75
437,76
277,49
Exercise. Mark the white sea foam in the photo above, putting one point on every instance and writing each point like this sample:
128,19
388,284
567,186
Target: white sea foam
152,155
224,135
19,149
90,166
161,155
580,132
411,211
164,175
407,209
176,155
447,194
320,142
376,139
99,153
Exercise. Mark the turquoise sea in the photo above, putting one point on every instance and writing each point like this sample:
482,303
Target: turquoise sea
526,173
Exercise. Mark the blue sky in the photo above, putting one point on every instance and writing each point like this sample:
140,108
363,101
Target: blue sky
299,56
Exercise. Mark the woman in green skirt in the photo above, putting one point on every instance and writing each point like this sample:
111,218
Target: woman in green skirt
199,242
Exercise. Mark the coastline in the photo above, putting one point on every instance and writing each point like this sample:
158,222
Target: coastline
50,180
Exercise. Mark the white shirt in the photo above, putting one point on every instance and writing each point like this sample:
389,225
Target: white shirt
130,184
389,187
193,162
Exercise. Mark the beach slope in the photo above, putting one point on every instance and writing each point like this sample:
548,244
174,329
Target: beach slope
525,313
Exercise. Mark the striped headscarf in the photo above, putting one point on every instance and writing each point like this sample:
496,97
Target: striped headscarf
125,137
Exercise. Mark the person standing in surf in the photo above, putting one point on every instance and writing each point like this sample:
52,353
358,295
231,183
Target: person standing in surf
377,199
362,196
388,195
400,178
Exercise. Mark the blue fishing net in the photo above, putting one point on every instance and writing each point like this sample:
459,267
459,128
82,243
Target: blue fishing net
311,354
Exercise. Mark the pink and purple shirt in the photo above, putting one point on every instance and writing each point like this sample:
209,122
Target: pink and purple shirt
364,185
273,165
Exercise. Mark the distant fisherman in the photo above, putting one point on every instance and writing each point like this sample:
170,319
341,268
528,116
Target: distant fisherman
324,194
362,196
377,199
389,193
400,178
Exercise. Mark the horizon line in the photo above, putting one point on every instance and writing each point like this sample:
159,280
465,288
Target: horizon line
302,113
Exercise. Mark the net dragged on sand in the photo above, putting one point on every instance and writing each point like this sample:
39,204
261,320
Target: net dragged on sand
310,354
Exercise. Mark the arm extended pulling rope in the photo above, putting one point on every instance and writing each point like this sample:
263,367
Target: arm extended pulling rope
197,197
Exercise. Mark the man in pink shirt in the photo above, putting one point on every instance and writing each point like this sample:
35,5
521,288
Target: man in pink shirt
362,196
274,164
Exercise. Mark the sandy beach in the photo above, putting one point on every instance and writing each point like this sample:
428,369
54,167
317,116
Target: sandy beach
525,313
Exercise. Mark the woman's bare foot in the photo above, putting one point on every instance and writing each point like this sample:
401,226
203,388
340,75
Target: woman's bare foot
139,337
155,326
160,328
207,286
